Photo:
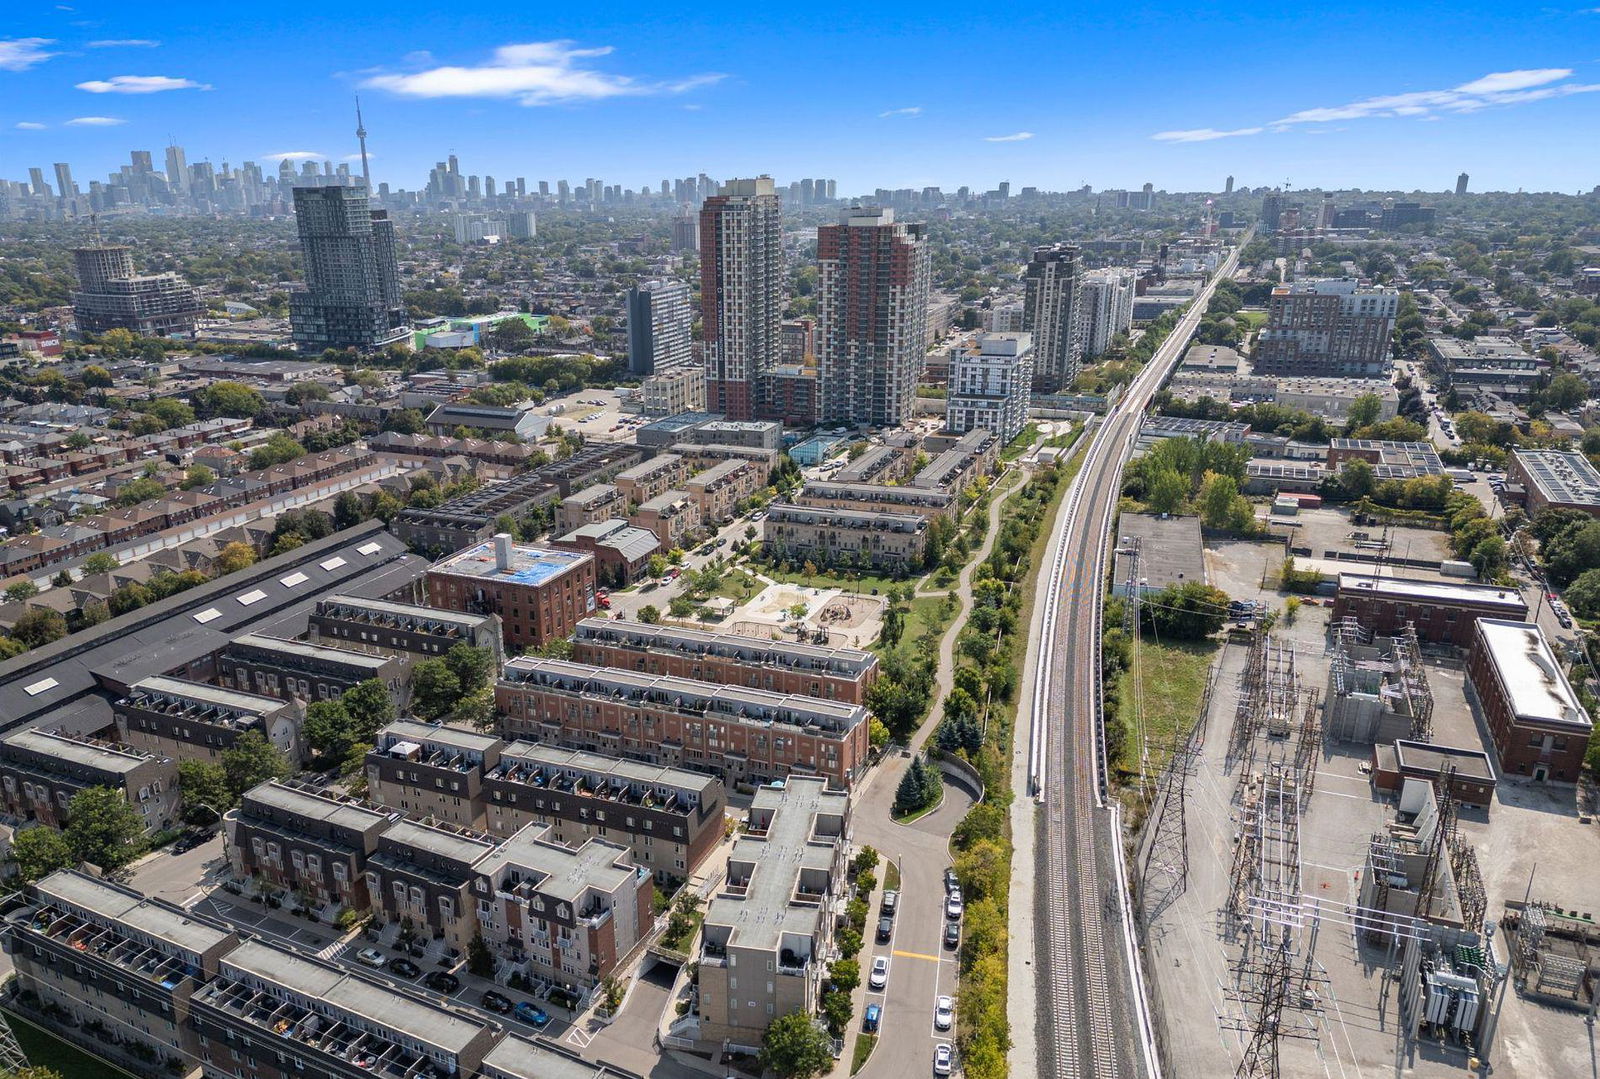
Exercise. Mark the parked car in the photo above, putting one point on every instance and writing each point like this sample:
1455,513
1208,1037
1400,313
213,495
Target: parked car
879,978
403,967
952,934
872,1017
372,957
532,1013
885,929
495,1002
953,906
442,981
944,1013
951,881
891,901
943,1056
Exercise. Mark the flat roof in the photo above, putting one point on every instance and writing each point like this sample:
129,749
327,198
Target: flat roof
150,917
384,1008
797,654
205,693
1171,551
517,1057
529,565
65,747
599,764
1409,588
1425,757
439,734
564,872
364,561
409,610
314,806
307,650
1535,686
441,841
1567,478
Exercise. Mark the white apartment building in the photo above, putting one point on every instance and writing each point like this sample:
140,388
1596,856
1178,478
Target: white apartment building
990,385
1107,308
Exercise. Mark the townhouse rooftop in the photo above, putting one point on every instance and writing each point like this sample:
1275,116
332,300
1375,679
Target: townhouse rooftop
685,695
410,617
595,775
314,805
850,662
558,871
200,702
80,750
436,745
323,1008
303,650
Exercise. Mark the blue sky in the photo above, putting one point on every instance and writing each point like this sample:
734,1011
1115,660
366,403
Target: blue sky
1357,94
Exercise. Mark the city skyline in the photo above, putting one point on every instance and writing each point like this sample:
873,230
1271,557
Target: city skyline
634,95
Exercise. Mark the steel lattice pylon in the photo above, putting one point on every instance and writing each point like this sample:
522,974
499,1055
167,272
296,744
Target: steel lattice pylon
12,1058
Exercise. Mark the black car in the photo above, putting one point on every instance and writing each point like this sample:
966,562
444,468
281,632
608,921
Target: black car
952,934
951,882
495,1002
404,967
885,930
442,981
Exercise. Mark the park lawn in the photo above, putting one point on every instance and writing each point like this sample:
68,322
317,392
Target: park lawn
1174,680
1253,320
863,583
925,616
733,586
862,1050
45,1050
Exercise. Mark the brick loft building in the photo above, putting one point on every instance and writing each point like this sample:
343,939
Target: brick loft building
538,593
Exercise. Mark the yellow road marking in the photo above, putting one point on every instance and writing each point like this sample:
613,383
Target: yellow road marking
917,955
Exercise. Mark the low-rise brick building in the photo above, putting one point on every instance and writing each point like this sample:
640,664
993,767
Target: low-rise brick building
296,670
399,629
670,819
538,593
672,517
738,734
591,504
563,914
422,874
174,717
41,770
719,489
1540,728
1443,612
432,770
306,842
886,542
621,551
836,674
658,475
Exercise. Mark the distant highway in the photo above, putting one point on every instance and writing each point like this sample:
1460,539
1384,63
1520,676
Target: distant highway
1095,1022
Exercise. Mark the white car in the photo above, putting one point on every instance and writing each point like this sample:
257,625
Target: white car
944,1013
371,957
880,973
942,1057
953,906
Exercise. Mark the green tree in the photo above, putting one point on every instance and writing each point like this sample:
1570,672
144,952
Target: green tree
40,851
197,476
1221,504
656,567
347,510
1364,411
435,689
794,1047
103,828
97,377
203,783
370,707
230,399
649,614
471,666
252,760
235,557
1166,491
39,626
1357,478
281,447
22,590
1583,594
844,974
1489,558
143,489
99,562
405,421
328,729
1188,611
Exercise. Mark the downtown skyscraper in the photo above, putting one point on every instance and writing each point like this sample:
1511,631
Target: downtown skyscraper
1052,311
352,294
872,314
741,295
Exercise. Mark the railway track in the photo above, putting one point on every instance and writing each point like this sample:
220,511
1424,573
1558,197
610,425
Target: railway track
1091,989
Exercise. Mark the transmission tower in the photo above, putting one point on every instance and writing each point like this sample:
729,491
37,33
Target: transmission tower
12,1058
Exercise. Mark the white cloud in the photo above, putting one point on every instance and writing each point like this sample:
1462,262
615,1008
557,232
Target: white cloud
139,84
1203,134
95,121
294,155
29,125
125,43
1501,81
533,73
1018,137
1494,90
913,110
21,53
353,157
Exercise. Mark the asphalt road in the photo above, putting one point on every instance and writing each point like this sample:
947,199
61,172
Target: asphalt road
1092,1016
